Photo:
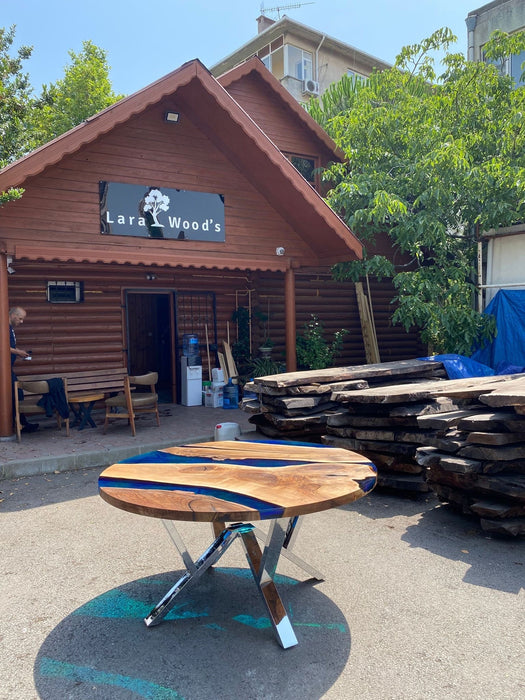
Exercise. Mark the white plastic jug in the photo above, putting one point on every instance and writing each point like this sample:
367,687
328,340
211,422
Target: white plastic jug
217,375
227,431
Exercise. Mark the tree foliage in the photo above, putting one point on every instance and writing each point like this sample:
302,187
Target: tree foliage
430,161
26,121
313,350
84,90
15,104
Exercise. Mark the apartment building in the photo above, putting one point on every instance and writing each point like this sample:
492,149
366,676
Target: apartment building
304,60
507,15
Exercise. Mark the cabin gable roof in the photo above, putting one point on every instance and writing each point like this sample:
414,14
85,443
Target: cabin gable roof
213,110
254,70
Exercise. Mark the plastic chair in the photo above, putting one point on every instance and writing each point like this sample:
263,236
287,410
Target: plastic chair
131,403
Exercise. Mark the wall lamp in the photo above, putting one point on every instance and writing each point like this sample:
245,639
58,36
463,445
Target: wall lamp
172,117
10,267
151,276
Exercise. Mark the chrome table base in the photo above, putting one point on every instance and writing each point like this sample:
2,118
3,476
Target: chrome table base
263,564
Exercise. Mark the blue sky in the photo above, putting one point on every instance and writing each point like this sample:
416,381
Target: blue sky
146,40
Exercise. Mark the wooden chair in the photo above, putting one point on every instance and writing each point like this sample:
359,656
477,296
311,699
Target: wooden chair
130,403
33,392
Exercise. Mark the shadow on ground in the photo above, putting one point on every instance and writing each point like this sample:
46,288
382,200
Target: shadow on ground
426,523
216,643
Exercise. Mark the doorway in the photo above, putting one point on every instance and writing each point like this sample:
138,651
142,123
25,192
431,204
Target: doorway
156,324
150,338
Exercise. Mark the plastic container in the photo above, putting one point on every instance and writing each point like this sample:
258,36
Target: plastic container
213,397
190,344
227,431
230,395
249,395
217,375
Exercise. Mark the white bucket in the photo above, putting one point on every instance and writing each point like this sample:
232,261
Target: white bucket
227,431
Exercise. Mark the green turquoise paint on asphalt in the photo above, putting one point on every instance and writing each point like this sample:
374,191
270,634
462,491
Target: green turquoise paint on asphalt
215,626
117,605
50,668
279,579
261,623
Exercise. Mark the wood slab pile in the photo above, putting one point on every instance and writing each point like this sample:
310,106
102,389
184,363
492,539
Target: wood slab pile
477,461
296,405
464,439
308,406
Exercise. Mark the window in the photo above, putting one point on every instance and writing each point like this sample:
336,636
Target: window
510,66
307,166
274,61
272,55
285,60
354,74
298,63
65,292
516,69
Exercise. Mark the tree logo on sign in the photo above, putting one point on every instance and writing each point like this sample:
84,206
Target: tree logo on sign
154,203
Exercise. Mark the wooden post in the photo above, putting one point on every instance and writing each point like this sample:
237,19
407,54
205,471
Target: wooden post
208,351
289,307
6,414
367,326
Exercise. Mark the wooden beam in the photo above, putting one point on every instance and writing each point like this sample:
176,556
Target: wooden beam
6,416
291,331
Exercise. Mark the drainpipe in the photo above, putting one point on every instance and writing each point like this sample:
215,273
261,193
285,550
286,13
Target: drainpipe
317,59
6,404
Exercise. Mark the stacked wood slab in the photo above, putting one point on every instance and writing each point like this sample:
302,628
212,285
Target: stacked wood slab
297,405
308,406
464,439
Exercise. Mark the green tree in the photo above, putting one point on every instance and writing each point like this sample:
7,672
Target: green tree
430,161
84,90
15,105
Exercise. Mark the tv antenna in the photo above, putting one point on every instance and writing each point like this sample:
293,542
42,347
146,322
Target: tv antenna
283,7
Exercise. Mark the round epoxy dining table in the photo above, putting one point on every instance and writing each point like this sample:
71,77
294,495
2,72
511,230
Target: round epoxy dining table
238,482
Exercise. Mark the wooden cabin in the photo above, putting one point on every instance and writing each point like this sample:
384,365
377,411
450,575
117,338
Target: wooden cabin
162,215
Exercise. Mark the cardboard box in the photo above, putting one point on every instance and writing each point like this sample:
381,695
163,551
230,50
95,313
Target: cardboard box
213,397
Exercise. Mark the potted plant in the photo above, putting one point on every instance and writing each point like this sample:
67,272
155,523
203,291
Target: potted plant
266,348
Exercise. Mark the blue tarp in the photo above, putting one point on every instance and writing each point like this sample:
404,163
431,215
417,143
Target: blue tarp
506,353
459,367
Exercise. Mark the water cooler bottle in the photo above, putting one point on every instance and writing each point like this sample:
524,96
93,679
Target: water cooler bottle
191,372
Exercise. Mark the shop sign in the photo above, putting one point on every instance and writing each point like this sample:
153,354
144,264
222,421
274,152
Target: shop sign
161,212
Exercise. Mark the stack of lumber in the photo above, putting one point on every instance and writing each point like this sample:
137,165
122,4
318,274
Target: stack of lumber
477,460
463,439
297,405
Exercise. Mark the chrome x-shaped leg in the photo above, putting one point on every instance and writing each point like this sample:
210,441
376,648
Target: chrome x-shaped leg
263,565
193,569
289,541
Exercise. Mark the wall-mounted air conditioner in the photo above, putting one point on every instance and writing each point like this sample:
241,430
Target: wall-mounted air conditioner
310,87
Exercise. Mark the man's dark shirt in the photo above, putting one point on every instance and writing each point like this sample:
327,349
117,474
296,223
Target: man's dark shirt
12,343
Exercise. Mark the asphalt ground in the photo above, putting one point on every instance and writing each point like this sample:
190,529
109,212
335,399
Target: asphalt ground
416,601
